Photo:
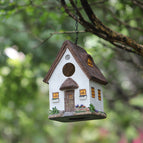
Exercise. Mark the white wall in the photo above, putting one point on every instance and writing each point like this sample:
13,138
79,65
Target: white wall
97,103
58,78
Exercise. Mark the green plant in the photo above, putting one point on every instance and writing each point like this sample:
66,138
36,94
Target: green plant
92,108
54,111
101,112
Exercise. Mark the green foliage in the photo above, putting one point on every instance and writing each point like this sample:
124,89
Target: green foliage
92,108
54,111
24,102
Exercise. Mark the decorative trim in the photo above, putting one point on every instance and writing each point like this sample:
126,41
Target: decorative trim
83,97
55,100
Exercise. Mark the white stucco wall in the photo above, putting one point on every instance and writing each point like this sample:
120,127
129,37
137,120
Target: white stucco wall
97,103
58,78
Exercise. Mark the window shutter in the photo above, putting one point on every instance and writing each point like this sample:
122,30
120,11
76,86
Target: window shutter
99,94
93,92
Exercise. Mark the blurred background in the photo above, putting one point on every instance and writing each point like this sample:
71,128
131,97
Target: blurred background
28,47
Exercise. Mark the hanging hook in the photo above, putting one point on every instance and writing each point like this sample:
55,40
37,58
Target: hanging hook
76,24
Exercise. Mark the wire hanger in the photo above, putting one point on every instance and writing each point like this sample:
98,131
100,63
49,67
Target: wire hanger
76,24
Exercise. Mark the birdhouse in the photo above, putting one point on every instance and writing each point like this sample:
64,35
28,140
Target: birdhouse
75,86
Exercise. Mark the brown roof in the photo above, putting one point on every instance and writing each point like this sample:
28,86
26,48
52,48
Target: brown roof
81,57
69,84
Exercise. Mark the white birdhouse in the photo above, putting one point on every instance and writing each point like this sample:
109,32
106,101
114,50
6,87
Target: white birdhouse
75,86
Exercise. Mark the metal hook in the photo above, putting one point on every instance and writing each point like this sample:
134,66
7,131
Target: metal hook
76,24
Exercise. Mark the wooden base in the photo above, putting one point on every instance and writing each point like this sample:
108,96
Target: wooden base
75,117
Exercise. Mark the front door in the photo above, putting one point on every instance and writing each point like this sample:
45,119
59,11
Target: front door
69,101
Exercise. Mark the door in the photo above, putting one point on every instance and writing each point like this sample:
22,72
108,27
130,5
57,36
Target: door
69,101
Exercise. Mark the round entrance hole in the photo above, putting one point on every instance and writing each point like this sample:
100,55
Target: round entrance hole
68,69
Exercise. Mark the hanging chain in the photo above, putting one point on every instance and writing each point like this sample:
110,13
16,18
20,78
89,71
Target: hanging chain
76,24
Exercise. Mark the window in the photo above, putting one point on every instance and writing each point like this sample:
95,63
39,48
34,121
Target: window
67,57
99,94
93,92
55,95
89,61
82,92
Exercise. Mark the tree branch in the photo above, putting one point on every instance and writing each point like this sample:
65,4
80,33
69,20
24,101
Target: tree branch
138,3
118,45
54,33
112,35
122,22
98,28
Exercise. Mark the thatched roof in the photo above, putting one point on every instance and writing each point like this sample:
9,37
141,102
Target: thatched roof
81,57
